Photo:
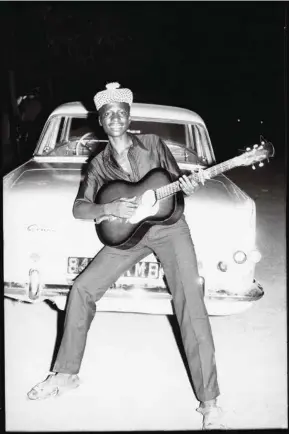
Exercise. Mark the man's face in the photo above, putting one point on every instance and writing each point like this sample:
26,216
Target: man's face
115,118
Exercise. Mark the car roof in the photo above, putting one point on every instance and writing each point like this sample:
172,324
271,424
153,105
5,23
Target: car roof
138,110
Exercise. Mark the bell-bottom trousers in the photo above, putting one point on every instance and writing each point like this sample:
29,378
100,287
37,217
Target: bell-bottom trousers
175,250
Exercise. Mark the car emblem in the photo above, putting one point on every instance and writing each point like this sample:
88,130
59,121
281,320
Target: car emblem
36,228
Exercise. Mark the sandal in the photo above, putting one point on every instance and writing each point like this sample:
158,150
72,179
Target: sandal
53,385
212,418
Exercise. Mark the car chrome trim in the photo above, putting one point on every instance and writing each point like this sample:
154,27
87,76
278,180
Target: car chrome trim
36,228
57,159
254,293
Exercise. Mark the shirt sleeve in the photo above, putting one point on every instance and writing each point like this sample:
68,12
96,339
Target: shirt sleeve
167,160
89,186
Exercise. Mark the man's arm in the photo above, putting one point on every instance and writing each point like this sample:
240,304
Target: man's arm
89,211
123,208
85,208
169,163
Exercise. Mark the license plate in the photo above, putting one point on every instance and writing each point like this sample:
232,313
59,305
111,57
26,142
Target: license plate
150,270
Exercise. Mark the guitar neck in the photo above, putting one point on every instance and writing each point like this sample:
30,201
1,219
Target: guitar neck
174,187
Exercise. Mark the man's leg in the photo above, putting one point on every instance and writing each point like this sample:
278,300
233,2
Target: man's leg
175,249
108,265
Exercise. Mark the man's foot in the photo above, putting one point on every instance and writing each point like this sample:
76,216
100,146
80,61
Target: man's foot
213,417
54,385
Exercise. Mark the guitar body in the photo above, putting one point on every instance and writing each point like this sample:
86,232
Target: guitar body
124,235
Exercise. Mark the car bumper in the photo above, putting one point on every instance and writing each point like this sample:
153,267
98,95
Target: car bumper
134,299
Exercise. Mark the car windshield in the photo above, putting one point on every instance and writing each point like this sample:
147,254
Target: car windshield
83,136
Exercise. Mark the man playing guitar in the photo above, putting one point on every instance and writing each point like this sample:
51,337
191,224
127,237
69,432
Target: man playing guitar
129,157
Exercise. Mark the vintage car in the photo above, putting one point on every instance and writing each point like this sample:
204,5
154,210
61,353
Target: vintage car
45,247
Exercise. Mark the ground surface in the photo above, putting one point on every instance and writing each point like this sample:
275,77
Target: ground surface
133,377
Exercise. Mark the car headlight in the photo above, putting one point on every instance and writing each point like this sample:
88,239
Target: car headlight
255,256
222,266
240,257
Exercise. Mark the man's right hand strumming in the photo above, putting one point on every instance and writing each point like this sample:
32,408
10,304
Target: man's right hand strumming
121,208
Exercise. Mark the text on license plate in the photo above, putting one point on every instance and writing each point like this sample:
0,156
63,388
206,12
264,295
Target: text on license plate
151,270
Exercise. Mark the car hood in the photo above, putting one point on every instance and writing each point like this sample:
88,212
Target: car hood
43,195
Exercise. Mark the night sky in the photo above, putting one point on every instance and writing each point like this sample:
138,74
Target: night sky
224,60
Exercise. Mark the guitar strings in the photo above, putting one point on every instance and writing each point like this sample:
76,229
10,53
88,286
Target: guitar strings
172,188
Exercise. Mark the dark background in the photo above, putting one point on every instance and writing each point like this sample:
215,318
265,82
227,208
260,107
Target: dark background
224,60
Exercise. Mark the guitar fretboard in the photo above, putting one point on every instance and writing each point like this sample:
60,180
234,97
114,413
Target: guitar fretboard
174,187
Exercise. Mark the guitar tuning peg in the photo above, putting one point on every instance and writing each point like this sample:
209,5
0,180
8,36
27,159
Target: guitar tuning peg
261,164
253,167
248,149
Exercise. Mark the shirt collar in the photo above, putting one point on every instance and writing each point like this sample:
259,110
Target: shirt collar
108,150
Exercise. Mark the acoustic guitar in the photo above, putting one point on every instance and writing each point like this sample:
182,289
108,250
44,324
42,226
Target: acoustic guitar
160,201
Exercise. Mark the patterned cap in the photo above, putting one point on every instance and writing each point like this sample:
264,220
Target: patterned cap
112,94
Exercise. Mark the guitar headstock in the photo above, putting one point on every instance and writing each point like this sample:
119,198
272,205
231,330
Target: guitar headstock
257,154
